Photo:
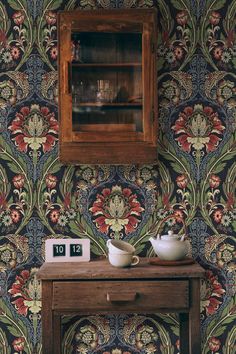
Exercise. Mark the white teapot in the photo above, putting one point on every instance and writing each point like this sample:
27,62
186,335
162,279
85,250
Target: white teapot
170,247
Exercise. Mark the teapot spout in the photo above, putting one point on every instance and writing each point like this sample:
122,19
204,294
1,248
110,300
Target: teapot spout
182,238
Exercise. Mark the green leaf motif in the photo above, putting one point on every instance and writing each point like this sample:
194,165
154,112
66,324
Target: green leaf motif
5,23
4,347
52,4
16,328
70,5
217,4
216,329
17,4
52,166
180,4
55,5
219,168
229,346
219,331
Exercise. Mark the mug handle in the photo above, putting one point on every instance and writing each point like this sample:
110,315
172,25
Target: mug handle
108,243
135,260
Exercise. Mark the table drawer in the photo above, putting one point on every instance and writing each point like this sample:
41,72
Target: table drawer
120,296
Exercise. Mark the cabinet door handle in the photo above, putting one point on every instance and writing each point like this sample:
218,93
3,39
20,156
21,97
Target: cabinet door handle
121,296
67,77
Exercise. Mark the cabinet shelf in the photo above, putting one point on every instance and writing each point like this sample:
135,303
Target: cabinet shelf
106,65
105,127
115,105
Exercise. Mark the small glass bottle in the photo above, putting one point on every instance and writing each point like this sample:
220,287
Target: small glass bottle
78,51
80,90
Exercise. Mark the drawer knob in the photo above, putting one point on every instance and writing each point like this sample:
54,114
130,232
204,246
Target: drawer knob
121,296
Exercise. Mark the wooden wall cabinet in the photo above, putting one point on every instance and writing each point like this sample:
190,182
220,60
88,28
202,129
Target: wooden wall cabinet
107,84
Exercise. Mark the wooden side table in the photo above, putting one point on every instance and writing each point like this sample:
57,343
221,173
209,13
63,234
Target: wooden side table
70,288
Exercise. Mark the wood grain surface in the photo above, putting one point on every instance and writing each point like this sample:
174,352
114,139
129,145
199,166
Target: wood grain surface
101,269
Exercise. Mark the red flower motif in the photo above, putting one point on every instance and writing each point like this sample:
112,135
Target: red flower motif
182,18
51,18
214,18
17,288
178,51
18,181
214,344
116,209
166,37
179,216
67,200
3,201
15,215
26,290
217,53
182,181
217,215
198,127
230,201
3,38
54,53
214,181
34,127
230,39
166,201
19,344
54,216
15,52
212,293
51,181
18,17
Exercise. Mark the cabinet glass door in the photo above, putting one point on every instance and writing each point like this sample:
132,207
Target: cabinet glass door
106,82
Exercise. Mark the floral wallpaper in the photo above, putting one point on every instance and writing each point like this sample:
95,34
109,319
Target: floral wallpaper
191,188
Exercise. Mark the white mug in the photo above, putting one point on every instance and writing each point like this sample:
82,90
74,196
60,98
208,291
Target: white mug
122,260
120,247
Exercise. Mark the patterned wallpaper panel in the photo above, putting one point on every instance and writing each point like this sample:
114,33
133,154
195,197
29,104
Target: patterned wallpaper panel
192,187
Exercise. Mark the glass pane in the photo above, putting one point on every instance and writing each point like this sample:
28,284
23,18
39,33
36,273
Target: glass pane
106,79
94,47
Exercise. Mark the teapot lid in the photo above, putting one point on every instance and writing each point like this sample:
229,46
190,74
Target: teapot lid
170,236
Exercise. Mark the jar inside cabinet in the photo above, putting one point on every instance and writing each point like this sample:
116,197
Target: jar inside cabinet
107,81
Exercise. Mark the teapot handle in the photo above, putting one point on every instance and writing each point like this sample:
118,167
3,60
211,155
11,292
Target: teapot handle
108,243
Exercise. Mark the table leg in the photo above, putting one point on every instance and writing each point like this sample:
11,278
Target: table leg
190,338
47,323
56,334
194,317
184,333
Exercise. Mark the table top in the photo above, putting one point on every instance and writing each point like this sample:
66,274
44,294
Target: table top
100,269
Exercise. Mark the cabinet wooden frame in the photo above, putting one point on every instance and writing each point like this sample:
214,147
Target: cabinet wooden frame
111,143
